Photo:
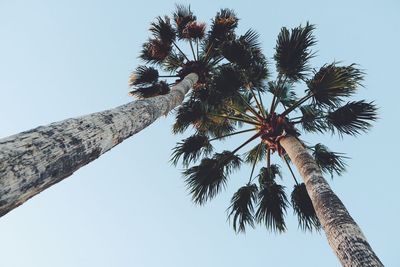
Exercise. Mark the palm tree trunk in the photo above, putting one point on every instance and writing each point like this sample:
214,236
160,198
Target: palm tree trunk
34,160
343,234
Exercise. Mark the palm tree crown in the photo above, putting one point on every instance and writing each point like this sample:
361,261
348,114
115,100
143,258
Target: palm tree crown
234,84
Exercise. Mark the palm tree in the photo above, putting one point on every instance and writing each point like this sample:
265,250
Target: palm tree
34,160
221,107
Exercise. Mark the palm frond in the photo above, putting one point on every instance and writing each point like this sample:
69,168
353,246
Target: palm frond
284,93
332,83
207,179
173,61
182,17
143,74
292,51
269,173
304,208
162,30
154,51
272,204
227,81
221,30
155,89
257,153
194,30
242,207
191,149
312,119
188,113
352,118
329,161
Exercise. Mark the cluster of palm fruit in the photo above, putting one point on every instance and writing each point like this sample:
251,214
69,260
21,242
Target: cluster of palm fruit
233,84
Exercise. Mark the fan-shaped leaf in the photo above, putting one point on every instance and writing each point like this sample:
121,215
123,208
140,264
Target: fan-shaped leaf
242,207
333,83
304,208
182,17
284,93
160,88
292,51
162,30
257,153
188,113
352,118
155,51
268,174
142,75
191,149
207,179
329,161
312,119
272,206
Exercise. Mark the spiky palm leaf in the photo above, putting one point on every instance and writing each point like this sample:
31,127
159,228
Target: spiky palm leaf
292,51
312,119
284,93
304,208
188,113
173,61
352,118
159,88
256,154
207,179
272,205
162,30
143,74
332,83
182,17
155,51
242,207
269,173
329,161
191,149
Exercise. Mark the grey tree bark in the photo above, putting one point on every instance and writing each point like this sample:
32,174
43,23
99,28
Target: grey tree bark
343,233
34,160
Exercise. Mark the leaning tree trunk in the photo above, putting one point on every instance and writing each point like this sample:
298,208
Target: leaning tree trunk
343,234
34,160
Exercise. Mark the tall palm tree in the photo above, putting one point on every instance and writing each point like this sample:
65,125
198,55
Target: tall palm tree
220,108
34,160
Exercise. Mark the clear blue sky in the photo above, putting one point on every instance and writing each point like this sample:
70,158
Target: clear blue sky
60,59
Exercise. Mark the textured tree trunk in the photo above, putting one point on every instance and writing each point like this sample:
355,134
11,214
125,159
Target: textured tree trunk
343,234
34,160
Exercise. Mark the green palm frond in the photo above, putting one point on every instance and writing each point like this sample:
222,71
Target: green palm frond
284,93
352,118
272,204
159,88
269,173
191,149
242,207
329,161
162,30
222,30
155,51
173,61
304,208
332,83
292,51
182,17
207,179
312,119
188,113
256,154
226,82
143,74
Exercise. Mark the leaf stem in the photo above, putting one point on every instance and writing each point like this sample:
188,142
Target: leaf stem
235,133
245,143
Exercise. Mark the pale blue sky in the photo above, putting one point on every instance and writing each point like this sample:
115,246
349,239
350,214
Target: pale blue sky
61,59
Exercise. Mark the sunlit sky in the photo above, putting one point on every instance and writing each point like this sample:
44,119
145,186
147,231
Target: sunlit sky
61,59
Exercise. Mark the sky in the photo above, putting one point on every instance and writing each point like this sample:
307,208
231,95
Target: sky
62,59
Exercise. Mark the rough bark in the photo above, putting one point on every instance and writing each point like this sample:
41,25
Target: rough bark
343,234
34,160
